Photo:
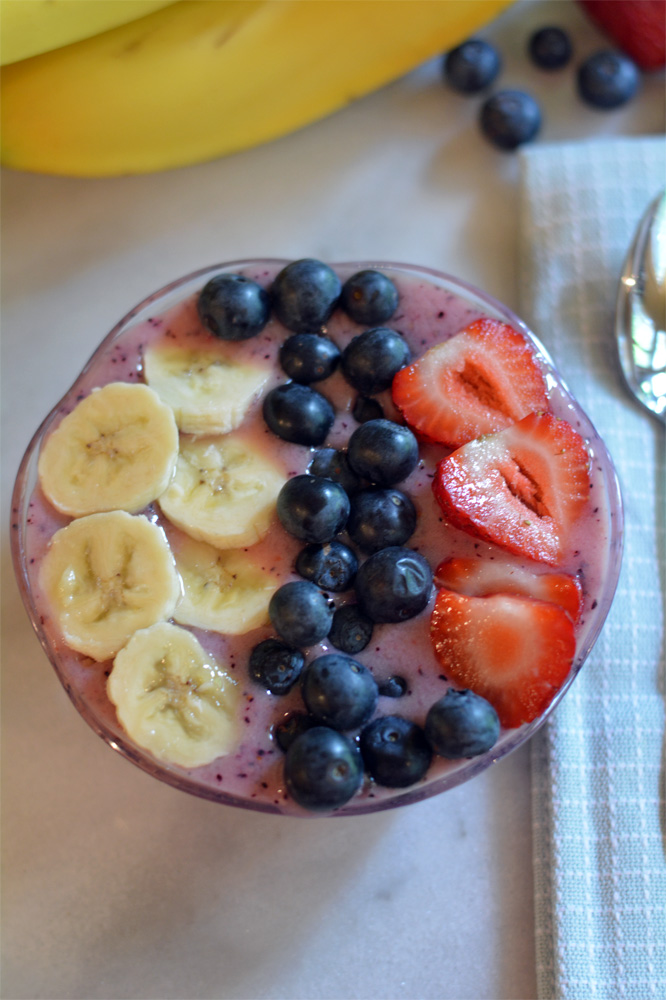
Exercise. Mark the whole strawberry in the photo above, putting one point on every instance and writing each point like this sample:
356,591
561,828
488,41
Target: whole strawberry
638,27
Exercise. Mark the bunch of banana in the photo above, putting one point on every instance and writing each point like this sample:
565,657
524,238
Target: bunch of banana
198,79
28,27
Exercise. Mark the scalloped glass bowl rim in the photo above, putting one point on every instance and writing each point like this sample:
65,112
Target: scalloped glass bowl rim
460,772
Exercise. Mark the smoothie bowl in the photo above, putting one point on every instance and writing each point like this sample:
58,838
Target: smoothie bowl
317,540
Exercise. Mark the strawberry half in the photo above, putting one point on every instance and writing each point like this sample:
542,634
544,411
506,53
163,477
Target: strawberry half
637,26
521,488
482,577
514,651
481,380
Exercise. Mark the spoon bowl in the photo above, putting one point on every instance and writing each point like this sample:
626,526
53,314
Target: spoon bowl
639,314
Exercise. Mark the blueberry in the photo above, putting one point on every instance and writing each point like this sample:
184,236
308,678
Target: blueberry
312,509
351,630
298,413
371,359
379,518
332,566
550,48
332,463
300,613
233,307
393,584
304,295
607,79
383,452
365,408
338,691
322,769
290,727
275,665
510,118
395,751
471,67
393,687
309,357
369,297
461,724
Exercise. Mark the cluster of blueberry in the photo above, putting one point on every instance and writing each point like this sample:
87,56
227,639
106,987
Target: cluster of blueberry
510,118
352,490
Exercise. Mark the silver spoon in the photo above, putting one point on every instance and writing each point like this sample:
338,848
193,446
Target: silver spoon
640,313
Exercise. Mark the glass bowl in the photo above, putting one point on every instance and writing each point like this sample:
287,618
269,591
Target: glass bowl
251,779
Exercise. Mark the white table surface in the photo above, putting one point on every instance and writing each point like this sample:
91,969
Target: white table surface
116,886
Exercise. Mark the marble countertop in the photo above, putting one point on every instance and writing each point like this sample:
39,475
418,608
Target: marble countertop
117,886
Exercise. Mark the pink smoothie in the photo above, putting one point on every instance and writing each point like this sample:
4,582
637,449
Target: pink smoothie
428,312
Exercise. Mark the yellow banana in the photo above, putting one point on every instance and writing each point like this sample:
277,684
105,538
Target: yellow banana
28,27
198,80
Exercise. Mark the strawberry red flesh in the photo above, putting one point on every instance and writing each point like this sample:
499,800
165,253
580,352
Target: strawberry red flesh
638,27
483,379
482,577
514,651
522,488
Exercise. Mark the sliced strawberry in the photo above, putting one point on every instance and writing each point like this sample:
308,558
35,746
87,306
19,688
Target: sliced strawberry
483,379
521,488
637,26
514,651
482,577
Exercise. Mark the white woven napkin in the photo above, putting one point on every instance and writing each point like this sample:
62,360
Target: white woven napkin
598,765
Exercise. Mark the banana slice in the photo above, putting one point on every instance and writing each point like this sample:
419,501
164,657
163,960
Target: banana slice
223,491
208,390
105,576
223,591
116,450
172,698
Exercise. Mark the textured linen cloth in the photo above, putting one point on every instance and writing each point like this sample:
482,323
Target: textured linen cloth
598,764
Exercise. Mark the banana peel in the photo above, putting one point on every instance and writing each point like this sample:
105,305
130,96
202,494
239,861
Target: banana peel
29,27
200,79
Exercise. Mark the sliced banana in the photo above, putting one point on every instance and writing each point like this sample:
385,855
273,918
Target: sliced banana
208,390
172,698
105,576
223,491
223,591
116,450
